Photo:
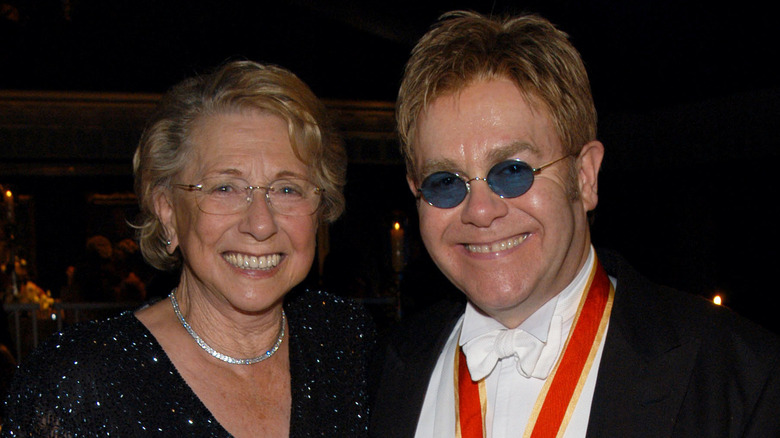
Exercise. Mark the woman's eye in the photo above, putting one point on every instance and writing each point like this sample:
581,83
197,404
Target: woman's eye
224,189
290,190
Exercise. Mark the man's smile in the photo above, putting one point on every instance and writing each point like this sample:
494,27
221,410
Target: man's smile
499,246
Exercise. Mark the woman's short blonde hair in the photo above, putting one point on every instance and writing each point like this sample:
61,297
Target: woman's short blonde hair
464,47
236,86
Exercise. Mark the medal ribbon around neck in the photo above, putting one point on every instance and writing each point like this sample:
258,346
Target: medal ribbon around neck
221,356
556,402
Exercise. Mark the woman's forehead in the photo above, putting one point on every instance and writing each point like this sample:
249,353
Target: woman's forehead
242,144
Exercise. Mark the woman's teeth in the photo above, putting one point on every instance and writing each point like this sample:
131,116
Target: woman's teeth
245,261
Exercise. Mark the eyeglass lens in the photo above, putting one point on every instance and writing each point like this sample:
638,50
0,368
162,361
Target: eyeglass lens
288,196
508,179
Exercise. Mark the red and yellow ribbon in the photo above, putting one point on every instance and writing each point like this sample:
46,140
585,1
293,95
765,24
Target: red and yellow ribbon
556,402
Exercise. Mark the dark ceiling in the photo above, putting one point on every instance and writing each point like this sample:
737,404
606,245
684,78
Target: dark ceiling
639,53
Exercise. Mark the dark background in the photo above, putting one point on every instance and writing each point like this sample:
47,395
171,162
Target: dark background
687,93
640,54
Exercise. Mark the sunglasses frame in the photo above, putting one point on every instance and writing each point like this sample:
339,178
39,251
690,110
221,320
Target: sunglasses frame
467,181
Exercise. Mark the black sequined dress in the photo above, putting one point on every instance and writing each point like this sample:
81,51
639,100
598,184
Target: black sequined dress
112,378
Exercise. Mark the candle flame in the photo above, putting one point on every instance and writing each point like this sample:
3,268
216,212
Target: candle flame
717,300
8,194
396,226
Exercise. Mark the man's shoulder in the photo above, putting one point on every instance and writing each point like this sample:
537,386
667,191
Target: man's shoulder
684,358
652,313
403,364
425,328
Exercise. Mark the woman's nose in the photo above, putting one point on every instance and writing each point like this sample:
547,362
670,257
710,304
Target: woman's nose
259,217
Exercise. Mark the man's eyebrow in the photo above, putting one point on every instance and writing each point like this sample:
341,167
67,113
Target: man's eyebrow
511,150
496,155
433,166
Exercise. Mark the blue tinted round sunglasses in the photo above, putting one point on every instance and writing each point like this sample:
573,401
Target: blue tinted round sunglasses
507,179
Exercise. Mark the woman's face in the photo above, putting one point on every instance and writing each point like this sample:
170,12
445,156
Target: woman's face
216,249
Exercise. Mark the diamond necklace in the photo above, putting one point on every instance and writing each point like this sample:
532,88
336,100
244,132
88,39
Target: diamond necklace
225,357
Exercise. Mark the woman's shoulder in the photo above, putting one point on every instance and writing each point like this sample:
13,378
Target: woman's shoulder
86,348
90,335
330,340
325,305
100,378
324,315
98,333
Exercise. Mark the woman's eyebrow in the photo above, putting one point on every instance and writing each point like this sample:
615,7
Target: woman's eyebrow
231,171
288,174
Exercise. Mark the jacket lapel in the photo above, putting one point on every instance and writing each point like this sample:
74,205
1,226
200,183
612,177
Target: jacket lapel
646,364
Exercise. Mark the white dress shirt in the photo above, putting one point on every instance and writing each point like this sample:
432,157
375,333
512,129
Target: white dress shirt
510,396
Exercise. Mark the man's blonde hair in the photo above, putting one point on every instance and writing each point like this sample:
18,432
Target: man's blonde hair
464,47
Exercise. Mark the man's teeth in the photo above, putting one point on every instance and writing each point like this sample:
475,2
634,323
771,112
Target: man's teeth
245,261
498,246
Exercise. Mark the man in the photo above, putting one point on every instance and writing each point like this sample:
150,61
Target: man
498,130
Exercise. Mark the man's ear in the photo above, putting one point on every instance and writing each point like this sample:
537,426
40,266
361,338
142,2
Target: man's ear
165,212
589,164
412,184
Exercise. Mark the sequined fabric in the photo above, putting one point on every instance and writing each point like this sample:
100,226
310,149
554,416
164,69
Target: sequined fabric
112,378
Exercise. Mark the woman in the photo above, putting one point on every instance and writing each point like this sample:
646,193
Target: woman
234,174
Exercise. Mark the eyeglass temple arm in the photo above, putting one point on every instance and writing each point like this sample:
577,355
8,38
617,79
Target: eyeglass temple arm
189,187
543,166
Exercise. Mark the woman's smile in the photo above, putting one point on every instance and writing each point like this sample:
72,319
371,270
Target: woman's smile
247,261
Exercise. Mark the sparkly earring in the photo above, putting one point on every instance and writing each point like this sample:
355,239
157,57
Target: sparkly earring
167,243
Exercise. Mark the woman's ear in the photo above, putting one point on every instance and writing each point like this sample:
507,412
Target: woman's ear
163,208
588,173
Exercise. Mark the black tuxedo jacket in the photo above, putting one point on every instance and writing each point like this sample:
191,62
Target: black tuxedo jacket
674,365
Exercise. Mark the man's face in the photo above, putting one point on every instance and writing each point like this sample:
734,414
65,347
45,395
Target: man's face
509,256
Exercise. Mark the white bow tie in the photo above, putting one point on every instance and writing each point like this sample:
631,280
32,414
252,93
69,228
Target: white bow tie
534,357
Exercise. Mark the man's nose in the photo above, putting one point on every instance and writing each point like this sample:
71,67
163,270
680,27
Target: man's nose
482,206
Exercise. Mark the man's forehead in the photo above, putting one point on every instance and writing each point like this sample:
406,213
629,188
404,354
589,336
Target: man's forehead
482,124
452,95
486,100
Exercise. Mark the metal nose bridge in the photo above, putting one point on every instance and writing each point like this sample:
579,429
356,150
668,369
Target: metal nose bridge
250,194
476,178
